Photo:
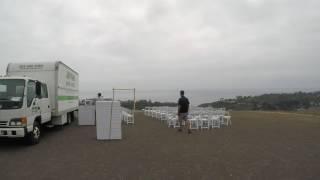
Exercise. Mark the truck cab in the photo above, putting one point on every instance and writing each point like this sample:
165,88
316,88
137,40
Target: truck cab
24,107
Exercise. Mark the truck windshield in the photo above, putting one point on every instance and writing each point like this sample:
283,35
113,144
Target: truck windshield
11,93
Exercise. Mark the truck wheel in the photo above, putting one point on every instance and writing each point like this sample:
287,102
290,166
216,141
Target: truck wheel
34,137
69,118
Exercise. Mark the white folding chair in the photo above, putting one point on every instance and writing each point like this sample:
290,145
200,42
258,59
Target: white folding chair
171,121
145,111
204,123
158,115
149,112
163,116
215,121
176,122
130,119
194,123
123,116
227,120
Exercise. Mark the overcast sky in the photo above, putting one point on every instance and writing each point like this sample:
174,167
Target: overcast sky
203,44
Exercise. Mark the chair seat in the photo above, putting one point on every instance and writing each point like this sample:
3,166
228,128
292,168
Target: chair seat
215,121
204,123
194,123
227,120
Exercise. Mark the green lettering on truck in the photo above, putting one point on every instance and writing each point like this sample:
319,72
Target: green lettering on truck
67,98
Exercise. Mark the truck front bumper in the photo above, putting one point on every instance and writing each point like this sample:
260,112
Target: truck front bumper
13,132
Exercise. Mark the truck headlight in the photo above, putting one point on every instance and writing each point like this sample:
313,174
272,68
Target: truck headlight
12,123
18,121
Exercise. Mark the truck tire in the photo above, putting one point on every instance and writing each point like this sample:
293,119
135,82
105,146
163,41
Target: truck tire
34,137
69,118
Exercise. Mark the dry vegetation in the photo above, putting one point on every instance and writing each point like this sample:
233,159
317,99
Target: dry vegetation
260,145
311,111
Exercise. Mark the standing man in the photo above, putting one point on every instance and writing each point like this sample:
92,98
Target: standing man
183,109
100,97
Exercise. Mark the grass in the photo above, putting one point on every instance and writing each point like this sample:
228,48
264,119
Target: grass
259,145
311,111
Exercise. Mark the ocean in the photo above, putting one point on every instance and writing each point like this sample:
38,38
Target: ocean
196,97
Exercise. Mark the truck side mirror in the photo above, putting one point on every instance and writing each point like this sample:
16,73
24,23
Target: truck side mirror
38,89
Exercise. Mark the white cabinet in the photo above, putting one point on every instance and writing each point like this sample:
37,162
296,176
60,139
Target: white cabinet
108,120
87,115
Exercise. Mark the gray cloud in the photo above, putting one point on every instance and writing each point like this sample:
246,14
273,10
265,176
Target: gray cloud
169,44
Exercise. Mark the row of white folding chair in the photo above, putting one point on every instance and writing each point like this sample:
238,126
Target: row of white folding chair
164,114
161,115
127,116
216,119
205,122
173,121
151,111
147,110
157,113
224,116
199,122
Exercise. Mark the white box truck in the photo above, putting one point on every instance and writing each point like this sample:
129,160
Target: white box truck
36,94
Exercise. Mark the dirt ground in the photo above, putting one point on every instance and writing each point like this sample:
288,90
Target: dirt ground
259,145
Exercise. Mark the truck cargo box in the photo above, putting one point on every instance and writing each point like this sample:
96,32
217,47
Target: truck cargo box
62,81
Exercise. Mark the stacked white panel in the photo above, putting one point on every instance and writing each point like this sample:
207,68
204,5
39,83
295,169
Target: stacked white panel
108,120
87,115
116,121
101,120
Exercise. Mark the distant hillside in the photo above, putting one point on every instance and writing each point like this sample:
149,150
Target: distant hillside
141,104
285,101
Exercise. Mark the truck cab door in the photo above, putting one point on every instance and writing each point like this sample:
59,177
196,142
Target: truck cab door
44,102
33,109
